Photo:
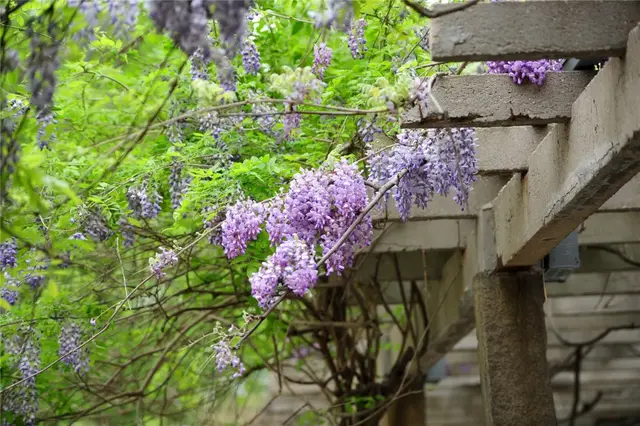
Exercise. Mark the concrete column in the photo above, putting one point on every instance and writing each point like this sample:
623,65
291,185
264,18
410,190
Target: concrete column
512,342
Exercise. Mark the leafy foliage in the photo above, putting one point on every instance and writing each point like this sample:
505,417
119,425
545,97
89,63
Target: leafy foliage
120,155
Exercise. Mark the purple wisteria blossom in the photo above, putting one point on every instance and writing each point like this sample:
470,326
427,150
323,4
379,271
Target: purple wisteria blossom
291,121
292,264
357,42
436,161
163,260
144,202
321,59
319,207
367,130
250,57
227,357
8,253
199,69
241,225
78,236
126,229
95,227
70,338
24,349
9,294
523,71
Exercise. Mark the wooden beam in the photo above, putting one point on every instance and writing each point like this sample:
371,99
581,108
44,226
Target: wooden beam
535,30
577,167
466,101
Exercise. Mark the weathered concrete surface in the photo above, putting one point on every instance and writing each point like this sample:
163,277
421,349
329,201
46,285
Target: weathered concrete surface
484,191
512,343
507,149
627,199
597,284
577,167
493,100
535,30
445,234
610,228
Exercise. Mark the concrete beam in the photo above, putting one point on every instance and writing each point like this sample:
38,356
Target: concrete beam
597,284
600,353
577,167
487,188
550,29
620,337
507,149
466,101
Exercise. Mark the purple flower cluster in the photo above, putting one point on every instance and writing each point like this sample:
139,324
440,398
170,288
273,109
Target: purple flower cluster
8,253
44,119
199,69
70,338
232,22
241,225
128,236
24,347
367,130
123,14
419,93
523,71
78,236
319,207
357,42
321,59
226,357
94,226
213,222
177,184
264,118
291,121
211,123
186,22
43,63
144,203
10,294
436,161
161,261
250,57
292,264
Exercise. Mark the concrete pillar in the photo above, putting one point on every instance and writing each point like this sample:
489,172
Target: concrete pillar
512,342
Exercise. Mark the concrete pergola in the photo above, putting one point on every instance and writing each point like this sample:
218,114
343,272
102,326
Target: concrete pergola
553,159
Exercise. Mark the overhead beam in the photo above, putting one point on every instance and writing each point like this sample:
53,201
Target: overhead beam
486,189
597,284
466,101
470,342
599,353
536,30
577,166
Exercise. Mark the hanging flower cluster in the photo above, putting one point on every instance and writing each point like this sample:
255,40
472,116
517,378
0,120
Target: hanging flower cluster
436,162
317,210
522,71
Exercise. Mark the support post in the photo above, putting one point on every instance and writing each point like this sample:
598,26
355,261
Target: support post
512,343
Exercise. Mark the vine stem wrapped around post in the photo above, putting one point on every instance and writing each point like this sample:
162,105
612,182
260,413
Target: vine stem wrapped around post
383,190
